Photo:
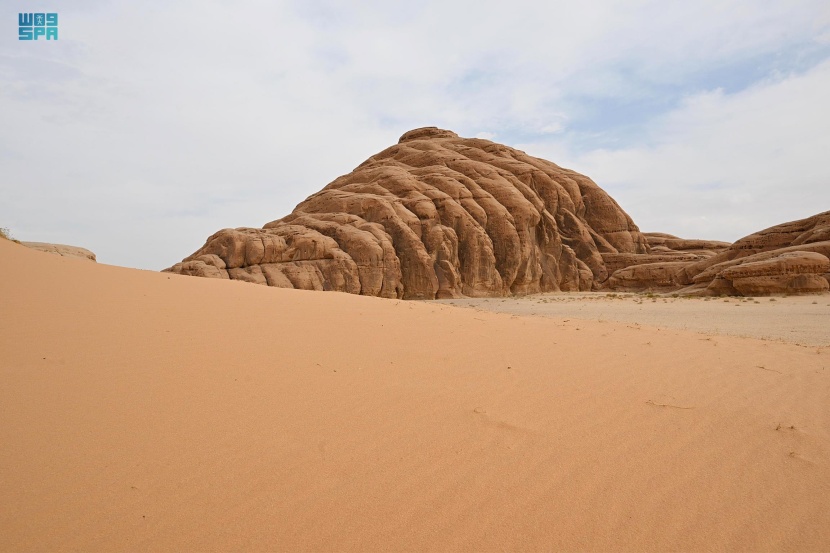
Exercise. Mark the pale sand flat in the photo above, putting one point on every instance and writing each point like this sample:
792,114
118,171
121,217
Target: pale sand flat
801,320
146,412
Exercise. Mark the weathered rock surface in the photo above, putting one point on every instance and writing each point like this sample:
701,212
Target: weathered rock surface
796,272
661,269
434,216
617,261
795,233
790,263
649,276
61,249
784,259
659,241
439,216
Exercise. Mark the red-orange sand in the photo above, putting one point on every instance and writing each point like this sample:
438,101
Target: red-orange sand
146,412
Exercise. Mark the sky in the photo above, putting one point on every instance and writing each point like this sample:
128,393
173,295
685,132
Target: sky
148,126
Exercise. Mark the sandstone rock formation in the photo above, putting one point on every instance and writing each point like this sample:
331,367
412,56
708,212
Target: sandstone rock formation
787,258
658,269
791,272
438,216
791,258
61,249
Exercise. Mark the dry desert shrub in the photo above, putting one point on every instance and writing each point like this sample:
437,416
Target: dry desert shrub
5,234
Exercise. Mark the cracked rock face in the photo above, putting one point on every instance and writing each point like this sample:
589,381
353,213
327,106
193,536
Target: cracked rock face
435,216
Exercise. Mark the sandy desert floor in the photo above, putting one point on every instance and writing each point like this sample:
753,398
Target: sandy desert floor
141,411
803,320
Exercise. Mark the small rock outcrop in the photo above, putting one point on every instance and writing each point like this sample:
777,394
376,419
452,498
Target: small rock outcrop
435,216
796,272
791,258
658,269
61,249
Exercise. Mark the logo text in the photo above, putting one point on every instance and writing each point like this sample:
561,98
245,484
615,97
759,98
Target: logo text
32,26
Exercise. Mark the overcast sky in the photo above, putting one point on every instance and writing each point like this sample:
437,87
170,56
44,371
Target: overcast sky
150,125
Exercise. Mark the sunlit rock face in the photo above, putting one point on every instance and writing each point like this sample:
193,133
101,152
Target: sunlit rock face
790,258
434,216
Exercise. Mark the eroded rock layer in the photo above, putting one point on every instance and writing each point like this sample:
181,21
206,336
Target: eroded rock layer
436,216
791,258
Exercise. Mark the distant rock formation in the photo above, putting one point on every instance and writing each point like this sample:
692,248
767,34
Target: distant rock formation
790,258
438,216
656,269
61,249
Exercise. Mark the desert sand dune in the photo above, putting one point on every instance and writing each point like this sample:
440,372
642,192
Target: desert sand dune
144,411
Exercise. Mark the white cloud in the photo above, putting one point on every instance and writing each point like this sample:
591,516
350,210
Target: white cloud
552,128
721,166
150,125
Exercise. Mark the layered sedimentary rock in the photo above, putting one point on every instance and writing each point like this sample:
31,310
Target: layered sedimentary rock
658,269
660,276
660,242
61,249
792,272
435,215
439,216
791,258
786,258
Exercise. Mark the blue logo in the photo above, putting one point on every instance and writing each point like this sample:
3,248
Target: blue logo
36,25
